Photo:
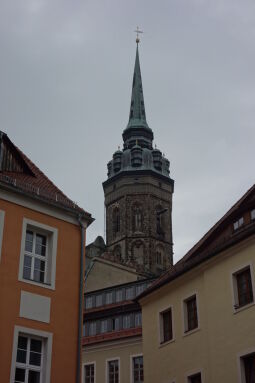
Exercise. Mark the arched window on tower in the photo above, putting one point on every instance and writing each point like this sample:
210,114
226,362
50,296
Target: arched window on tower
116,221
159,256
137,218
160,220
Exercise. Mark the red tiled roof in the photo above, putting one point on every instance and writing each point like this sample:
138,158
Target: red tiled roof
32,181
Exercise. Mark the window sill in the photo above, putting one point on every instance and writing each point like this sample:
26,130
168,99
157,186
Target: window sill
241,308
163,344
39,284
191,331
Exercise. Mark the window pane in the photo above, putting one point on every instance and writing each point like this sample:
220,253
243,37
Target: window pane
130,293
249,368
39,264
35,358
244,287
39,276
89,373
119,295
27,273
29,241
40,245
21,356
195,378
192,313
103,326
89,302
36,345
22,342
34,377
19,375
99,300
126,321
138,320
138,369
167,326
27,261
109,297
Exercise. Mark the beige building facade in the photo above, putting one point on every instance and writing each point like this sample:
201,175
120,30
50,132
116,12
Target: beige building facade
198,319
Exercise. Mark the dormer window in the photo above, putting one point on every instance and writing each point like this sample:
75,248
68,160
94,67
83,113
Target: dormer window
237,224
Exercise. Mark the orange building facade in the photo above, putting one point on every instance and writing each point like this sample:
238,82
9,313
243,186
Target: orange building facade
42,242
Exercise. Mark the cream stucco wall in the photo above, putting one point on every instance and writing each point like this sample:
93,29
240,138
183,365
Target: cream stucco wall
104,274
223,334
123,350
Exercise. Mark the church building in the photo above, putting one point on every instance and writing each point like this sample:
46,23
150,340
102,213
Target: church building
139,247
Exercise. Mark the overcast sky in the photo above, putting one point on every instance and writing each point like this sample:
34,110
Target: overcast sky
65,84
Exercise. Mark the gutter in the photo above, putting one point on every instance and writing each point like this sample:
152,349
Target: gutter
80,319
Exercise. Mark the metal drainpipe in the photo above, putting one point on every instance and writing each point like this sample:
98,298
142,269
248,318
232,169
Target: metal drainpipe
78,367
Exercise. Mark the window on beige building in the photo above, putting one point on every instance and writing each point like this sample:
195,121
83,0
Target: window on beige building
137,369
89,373
190,314
113,371
196,378
243,288
248,368
166,326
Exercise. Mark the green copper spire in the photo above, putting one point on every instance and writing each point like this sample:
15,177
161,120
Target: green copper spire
137,116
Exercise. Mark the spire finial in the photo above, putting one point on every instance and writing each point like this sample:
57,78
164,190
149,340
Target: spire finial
137,31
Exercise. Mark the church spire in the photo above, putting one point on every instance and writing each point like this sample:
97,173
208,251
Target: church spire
137,116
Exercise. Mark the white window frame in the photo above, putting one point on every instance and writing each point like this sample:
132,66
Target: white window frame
240,365
47,350
131,366
195,372
107,370
185,314
83,370
160,326
52,237
2,216
233,282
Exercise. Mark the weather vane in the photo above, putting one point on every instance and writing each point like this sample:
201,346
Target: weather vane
137,31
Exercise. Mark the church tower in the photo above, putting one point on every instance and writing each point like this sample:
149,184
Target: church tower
138,193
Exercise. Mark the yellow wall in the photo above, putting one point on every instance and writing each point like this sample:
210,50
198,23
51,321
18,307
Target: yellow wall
222,333
117,349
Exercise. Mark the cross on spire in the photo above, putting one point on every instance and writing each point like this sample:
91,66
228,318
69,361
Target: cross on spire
137,31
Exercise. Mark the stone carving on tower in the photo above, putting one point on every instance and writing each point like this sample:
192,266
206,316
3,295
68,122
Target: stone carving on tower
138,194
